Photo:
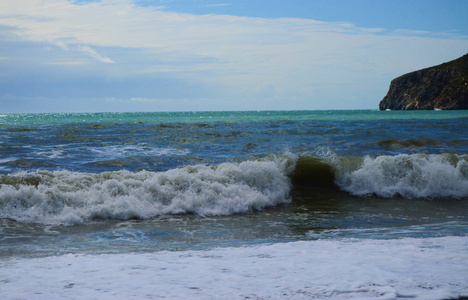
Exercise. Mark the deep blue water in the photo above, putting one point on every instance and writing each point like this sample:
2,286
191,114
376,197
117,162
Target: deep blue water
161,141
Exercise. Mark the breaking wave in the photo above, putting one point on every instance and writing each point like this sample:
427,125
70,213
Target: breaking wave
64,197
407,176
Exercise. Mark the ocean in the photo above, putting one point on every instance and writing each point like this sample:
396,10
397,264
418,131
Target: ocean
360,204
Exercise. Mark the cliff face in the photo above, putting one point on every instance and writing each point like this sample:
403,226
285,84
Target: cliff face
441,87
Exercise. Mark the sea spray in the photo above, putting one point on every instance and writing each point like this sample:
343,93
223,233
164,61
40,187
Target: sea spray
63,197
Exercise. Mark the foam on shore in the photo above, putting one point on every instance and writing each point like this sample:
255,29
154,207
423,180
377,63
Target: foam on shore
431,268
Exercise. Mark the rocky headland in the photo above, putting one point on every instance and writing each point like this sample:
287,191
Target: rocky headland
440,87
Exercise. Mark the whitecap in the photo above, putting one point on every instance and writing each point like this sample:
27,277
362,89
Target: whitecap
408,176
63,197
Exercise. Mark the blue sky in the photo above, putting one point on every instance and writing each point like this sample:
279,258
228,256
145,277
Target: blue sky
179,55
431,15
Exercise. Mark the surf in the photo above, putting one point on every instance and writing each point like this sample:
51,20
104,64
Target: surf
64,197
67,198
407,176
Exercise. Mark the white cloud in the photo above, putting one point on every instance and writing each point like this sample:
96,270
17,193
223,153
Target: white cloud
271,58
96,55
84,49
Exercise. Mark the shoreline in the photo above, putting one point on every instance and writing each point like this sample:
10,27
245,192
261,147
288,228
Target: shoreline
424,268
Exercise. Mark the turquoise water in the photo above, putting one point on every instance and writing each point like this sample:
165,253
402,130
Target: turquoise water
227,116
125,182
161,141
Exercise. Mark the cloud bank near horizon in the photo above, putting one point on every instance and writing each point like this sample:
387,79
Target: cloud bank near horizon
57,55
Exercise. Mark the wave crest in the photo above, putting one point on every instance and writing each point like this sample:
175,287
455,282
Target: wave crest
408,176
64,197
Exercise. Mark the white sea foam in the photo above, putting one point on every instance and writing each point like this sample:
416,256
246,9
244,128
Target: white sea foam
123,151
433,268
51,153
8,159
63,197
110,152
409,176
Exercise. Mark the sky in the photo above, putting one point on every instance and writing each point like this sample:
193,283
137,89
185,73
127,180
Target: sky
209,55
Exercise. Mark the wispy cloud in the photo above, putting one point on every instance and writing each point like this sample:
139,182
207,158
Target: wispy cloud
84,49
95,55
231,56
424,33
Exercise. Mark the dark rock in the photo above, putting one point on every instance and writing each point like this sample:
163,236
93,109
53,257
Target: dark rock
441,87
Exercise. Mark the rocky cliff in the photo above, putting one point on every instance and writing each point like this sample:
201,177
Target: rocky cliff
441,87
